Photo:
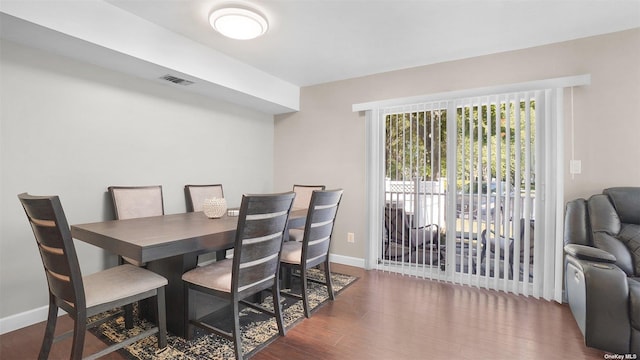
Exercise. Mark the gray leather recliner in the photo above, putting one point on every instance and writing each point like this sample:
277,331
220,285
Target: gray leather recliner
602,268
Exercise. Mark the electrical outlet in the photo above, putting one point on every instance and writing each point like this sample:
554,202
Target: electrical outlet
351,237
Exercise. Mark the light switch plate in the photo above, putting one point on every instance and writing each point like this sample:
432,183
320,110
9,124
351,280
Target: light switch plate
575,166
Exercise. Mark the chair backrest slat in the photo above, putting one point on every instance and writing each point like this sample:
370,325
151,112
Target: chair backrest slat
51,231
55,260
261,225
47,233
321,217
196,194
131,202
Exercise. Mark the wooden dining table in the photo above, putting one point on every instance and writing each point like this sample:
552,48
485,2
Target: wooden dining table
169,245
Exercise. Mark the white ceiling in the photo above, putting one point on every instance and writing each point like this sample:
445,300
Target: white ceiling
317,41
309,41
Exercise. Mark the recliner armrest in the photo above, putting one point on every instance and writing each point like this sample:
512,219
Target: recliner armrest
589,253
598,295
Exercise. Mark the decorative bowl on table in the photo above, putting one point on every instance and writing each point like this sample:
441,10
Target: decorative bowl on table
214,208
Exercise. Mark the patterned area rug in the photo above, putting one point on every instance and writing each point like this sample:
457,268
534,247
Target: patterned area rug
258,329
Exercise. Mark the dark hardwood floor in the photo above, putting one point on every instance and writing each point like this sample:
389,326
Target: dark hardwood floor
388,316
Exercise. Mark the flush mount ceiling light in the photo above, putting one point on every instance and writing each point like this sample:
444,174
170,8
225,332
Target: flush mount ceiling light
238,23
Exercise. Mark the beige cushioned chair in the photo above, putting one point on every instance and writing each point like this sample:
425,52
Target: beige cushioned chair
131,202
301,202
196,194
314,247
83,297
254,267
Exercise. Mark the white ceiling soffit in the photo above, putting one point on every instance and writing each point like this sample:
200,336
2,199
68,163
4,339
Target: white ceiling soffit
99,33
312,42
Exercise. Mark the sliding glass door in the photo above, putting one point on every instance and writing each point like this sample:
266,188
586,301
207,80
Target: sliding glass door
460,189
467,186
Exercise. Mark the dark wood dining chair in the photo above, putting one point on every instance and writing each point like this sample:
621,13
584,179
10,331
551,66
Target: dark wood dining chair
313,250
254,267
196,194
83,297
131,202
303,197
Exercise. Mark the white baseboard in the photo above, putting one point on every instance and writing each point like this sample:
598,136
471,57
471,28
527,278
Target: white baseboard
24,319
346,260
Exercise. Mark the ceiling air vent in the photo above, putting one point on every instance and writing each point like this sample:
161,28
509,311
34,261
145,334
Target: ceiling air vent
176,80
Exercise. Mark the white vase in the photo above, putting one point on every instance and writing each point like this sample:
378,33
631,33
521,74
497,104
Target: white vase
214,208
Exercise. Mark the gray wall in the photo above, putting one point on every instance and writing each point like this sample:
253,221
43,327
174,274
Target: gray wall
72,129
324,142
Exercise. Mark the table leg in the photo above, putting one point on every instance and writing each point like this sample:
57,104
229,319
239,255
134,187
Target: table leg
172,268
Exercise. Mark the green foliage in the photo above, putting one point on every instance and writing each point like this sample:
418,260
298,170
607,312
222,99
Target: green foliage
416,143
499,130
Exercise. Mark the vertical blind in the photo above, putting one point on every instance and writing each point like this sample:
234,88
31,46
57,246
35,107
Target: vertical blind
501,174
414,189
463,182
496,149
